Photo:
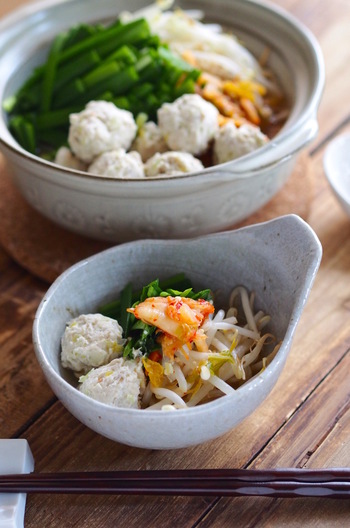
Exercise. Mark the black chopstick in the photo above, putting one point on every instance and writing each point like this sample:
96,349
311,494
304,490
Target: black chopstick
326,483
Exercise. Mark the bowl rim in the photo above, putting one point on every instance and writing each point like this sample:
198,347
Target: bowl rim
249,164
252,384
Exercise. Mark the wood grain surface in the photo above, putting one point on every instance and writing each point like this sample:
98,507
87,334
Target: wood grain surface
305,422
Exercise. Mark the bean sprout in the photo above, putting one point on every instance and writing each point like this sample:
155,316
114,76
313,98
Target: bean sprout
235,352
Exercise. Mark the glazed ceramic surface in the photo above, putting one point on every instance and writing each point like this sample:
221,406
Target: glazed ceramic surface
278,260
183,206
16,458
337,169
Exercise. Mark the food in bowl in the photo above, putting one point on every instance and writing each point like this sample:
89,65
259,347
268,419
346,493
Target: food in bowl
186,86
278,260
170,349
105,208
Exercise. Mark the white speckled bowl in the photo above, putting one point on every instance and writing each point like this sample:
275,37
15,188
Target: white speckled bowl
337,169
278,260
184,206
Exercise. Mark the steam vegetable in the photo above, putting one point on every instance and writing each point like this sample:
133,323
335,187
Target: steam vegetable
189,352
122,63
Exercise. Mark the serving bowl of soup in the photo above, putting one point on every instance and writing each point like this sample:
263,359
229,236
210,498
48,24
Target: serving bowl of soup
213,193
276,262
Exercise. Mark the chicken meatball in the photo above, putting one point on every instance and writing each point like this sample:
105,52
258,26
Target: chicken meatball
232,142
90,340
118,164
172,164
149,141
100,127
188,124
121,383
66,158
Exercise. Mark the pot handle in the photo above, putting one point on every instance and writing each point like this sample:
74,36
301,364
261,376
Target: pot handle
268,157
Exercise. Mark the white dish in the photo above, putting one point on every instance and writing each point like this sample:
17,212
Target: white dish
337,169
178,207
278,260
15,458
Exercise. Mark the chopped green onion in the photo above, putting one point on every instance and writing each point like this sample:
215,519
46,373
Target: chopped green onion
125,302
24,132
100,74
54,118
76,68
50,73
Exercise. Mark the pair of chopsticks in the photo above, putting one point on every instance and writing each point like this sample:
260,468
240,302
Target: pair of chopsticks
326,483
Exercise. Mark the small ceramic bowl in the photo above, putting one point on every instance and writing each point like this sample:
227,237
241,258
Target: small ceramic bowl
337,169
178,207
278,260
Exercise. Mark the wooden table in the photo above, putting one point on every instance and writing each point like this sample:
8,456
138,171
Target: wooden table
304,423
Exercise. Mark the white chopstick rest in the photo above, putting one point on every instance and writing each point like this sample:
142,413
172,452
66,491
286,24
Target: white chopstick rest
15,457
